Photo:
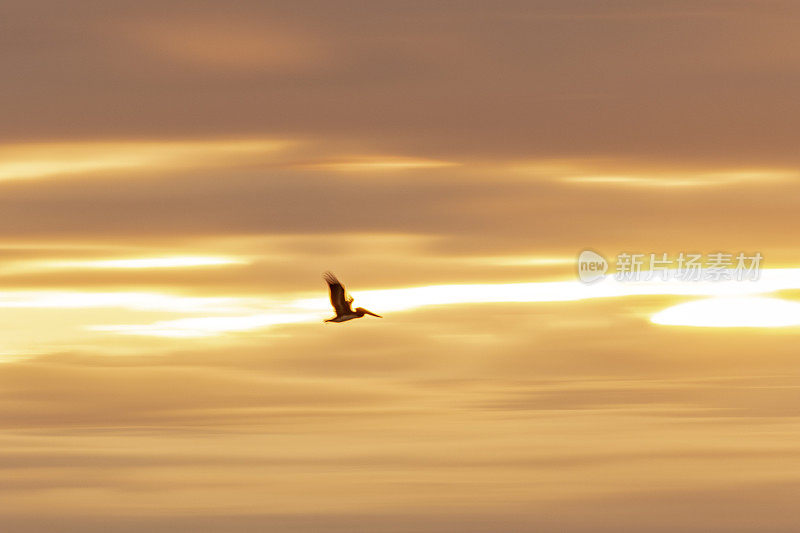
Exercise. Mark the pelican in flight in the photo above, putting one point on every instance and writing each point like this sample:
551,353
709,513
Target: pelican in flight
342,302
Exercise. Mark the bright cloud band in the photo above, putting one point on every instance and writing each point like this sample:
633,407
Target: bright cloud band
292,311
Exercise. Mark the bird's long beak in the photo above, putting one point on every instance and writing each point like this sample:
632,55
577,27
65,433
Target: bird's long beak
371,313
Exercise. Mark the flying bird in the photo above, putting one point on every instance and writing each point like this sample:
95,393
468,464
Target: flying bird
342,302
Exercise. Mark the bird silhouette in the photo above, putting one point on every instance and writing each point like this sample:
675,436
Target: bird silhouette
342,302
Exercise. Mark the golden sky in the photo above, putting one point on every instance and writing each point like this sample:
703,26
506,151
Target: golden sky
175,176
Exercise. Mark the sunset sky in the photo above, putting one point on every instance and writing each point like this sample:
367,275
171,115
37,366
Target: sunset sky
175,176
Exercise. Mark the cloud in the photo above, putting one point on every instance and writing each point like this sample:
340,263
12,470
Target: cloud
447,164
744,311
40,160
547,81
230,45
373,164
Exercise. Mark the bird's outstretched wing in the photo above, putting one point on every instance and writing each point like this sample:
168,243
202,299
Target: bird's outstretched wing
339,299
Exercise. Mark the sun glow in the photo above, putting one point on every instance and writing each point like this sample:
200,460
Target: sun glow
256,315
731,313
555,291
